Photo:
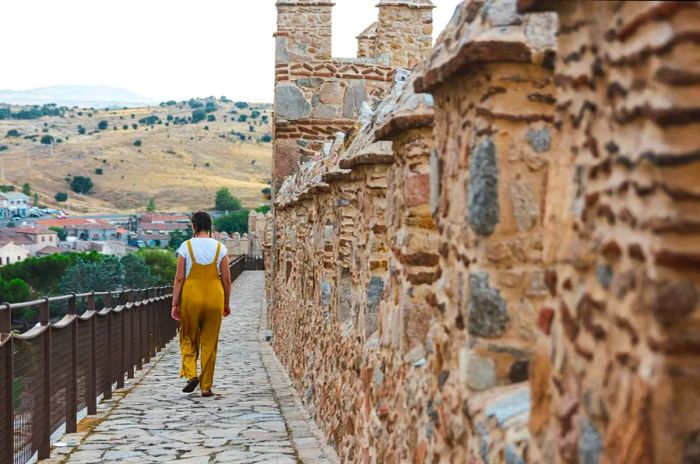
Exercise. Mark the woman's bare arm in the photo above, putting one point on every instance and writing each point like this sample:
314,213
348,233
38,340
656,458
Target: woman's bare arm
177,286
226,281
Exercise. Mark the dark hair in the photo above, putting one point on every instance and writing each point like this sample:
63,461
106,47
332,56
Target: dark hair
201,222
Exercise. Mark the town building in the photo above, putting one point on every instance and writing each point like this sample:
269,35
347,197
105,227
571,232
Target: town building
14,204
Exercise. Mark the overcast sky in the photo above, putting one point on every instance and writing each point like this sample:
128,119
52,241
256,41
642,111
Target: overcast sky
163,49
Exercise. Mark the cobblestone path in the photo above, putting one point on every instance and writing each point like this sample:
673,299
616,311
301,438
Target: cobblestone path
254,418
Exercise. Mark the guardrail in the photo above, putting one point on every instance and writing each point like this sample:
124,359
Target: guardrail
53,371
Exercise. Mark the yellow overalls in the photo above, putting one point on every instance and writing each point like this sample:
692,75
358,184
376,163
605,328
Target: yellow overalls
201,312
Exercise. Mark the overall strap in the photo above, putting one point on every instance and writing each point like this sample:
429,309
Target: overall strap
216,258
189,247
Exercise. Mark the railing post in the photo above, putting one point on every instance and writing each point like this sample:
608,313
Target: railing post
91,388
72,387
7,419
139,338
131,361
109,378
147,310
42,413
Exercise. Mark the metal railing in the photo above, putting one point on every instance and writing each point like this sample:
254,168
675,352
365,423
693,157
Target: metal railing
243,263
55,370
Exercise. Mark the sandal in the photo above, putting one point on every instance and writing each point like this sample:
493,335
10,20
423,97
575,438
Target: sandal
191,385
207,394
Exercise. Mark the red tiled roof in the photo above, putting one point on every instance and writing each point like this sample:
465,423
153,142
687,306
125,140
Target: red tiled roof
70,222
17,239
35,231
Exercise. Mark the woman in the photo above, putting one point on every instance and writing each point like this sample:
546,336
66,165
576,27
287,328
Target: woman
200,299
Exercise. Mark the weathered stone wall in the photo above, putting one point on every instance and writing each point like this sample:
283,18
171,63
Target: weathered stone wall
367,42
620,380
497,262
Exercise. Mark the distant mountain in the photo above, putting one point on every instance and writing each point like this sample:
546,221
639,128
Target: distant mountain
85,96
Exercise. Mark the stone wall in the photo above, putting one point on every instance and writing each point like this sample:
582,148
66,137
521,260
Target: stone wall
620,378
496,260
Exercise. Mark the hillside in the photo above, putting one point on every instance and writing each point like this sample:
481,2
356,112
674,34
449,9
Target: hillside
180,164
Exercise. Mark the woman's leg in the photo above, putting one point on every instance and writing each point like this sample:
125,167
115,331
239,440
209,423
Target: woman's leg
189,341
211,325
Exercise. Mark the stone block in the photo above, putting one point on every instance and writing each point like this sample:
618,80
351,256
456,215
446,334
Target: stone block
526,210
355,95
487,311
290,103
482,198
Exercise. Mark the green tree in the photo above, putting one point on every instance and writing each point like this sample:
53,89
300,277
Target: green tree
102,125
267,192
151,205
81,184
263,209
136,273
178,237
138,143
81,130
236,221
87,276
62,233
14,291
161,265
47,140
225,201
35,200
60,197
27,189
13,133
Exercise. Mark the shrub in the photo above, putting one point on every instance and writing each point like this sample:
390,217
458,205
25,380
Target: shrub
13,133
135,126
241,105
125,127
4,148
267,138
255,114
27,189
150,120
81,130
151,205
102,125
170,117
211,118
198,115
99,171
267,191
61,197
242,117
47,139
194,104
138,143
81,184
210,107
206,128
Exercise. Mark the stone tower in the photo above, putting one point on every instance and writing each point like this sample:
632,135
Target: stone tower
304,31
404,34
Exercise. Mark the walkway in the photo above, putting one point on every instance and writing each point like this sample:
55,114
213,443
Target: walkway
254,419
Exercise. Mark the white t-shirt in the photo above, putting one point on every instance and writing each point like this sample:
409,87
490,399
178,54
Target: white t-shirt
204,250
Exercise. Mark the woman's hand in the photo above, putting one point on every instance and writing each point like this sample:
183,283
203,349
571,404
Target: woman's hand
227,310
175,313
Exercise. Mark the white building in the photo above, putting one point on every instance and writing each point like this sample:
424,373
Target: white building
14,204
11,253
